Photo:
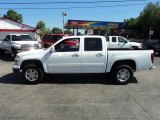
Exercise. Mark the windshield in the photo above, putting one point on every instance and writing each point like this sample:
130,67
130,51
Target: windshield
21,38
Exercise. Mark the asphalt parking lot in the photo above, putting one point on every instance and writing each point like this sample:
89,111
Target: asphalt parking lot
72,97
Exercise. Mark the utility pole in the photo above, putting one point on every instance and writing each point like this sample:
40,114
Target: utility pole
149,34
63,14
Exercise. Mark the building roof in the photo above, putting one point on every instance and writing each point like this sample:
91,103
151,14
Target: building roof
14,26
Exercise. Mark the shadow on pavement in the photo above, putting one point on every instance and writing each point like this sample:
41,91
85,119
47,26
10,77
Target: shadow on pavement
157,55
6,57
65,79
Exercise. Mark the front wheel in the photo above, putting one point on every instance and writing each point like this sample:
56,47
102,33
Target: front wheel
122,74
32,74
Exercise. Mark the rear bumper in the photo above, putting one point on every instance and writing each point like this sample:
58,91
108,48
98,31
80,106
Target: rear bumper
152,67
15,68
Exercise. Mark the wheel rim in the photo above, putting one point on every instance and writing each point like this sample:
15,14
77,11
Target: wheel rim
31,75
123,75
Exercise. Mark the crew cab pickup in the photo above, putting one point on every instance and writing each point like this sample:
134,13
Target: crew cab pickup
121,42
88,54
15,43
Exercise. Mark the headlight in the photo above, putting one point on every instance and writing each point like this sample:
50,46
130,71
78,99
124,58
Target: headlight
16,56
16,59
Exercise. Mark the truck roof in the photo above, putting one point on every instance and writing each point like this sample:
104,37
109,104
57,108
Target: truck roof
83,36
18,34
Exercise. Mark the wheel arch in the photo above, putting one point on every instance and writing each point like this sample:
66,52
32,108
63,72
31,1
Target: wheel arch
128,62
38,63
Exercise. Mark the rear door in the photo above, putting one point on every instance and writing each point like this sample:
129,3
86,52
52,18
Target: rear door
93,55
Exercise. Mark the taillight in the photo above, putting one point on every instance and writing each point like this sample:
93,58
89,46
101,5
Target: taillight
152,57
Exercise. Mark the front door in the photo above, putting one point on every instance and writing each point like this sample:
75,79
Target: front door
123,43
66,58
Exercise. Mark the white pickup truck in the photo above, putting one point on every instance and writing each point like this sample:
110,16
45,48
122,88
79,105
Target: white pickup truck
82,54
121,42
15,43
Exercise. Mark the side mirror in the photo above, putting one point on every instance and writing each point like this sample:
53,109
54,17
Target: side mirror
52,50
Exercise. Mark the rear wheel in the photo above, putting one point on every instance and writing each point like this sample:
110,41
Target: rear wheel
32,74
122,74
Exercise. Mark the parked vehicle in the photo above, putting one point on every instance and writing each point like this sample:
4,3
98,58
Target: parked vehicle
15,43
152,45
50,39
121,42
88,54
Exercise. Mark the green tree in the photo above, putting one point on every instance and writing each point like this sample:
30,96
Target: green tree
56,30
41,28
13,15
68,31
130,23
41,25
47,31
148,18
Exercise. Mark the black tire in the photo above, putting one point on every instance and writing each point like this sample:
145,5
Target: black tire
2,52
135,48
122,74
32,74
13,54
132,47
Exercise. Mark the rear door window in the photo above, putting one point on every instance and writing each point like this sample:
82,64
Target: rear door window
93,44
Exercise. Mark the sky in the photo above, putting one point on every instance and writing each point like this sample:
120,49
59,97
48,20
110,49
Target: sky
115,12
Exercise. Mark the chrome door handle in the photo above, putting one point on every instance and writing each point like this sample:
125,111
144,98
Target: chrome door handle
75,55
99,55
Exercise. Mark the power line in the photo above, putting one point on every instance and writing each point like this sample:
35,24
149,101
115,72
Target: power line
102,1
79,7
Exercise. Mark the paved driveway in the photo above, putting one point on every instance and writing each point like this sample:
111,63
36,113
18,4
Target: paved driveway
75,97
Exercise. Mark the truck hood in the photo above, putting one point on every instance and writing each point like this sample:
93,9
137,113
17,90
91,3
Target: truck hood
31,52
136,44
25,42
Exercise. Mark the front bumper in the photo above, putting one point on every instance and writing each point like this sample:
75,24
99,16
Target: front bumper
23,50
15,68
